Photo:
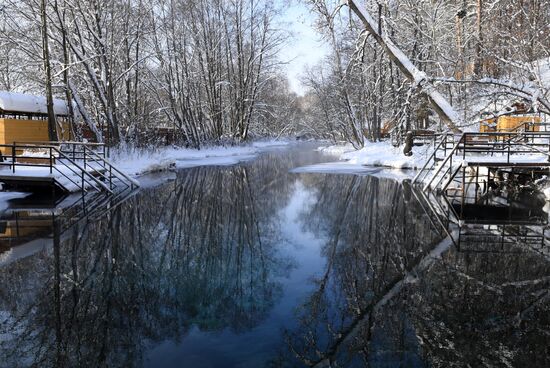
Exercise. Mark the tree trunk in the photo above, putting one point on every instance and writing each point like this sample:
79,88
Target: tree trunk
478,66
441,106
52,131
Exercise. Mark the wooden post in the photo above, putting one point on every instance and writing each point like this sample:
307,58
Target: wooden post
463,192
13,157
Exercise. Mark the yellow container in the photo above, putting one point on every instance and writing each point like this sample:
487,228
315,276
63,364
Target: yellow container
20,130
513,123
488,126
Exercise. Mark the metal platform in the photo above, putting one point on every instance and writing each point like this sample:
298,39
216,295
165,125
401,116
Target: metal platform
64,166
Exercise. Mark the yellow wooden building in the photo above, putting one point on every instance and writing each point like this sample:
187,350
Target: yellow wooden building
24,118
511,123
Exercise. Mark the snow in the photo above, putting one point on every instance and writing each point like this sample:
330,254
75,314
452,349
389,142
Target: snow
337,149
6,196
20,102
379,159
139,162
68,176
382,154
419,78
542,67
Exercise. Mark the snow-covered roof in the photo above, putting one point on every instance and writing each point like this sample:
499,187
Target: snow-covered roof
23,103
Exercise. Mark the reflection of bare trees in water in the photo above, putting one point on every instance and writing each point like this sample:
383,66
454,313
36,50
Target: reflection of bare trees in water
492,308
188,253
385,300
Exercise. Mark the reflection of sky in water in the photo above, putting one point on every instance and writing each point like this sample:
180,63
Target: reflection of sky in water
253,348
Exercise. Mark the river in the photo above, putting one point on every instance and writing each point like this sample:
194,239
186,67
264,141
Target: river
254,265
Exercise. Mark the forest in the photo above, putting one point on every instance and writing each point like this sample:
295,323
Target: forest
211,72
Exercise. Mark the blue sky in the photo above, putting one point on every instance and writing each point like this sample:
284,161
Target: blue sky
305,47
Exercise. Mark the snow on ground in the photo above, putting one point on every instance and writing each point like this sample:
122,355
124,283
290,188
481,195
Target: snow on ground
374,159
384,154
380,154
139,162
338,149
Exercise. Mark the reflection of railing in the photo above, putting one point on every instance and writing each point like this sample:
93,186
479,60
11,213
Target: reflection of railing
441,215
81,164
23,225
504,237
485,235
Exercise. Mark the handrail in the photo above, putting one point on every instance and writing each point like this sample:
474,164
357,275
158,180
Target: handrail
447,159
84,171
86,177
432,157
133,182
74,144
62,142
510,145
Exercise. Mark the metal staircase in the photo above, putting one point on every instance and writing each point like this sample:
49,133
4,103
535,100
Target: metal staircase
439,164
450,159
69,166
474,171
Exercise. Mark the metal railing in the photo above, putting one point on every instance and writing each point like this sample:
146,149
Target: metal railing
79,163
432,160
491,143
72,149
445,166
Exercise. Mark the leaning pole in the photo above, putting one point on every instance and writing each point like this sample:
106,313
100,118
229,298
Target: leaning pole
442,107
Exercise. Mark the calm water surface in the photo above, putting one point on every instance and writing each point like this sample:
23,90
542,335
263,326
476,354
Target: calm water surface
254,266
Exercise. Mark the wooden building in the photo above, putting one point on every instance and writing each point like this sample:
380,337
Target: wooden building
24,118
511,123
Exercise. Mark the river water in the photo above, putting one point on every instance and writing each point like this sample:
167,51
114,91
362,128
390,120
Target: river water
256,266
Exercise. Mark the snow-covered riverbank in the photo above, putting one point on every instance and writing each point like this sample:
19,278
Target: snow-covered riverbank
138,162
380,154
